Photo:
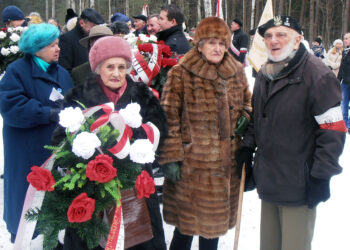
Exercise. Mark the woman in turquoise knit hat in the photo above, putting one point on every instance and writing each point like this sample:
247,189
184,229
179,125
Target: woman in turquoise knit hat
30,93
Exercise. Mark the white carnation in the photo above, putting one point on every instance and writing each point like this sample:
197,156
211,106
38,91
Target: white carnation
84,145
71,118
144,38
2,35
5,51
14,49
141,151
131,115
153,38
10,30
14,37
19,28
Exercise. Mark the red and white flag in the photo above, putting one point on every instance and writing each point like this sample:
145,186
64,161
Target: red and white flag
219,9
144,9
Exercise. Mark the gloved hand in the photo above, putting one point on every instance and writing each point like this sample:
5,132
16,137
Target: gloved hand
172,171
244,155
318,190
242,125
54,114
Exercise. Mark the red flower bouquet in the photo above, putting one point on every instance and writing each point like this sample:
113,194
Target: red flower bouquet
98,159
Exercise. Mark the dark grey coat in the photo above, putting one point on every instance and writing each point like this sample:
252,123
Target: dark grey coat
291,146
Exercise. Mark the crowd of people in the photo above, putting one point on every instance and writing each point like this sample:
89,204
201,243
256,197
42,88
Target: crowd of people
286,137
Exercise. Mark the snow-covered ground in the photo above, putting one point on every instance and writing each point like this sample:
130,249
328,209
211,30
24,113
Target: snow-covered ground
332,224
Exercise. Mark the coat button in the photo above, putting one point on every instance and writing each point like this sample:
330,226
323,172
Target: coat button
264,115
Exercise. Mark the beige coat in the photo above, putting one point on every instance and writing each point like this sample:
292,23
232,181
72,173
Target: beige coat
203,103
334,60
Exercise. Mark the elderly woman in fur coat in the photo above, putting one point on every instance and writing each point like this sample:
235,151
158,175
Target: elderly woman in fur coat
205,96
109,58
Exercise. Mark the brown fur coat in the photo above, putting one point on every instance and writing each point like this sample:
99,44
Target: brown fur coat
203,103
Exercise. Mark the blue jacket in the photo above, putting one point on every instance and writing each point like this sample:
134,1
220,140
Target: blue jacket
25,108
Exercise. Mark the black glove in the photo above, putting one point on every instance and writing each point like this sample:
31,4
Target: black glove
244,155
241,126
172,171
54,114
318,190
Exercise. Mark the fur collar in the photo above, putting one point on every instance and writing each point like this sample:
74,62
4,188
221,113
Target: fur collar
196,64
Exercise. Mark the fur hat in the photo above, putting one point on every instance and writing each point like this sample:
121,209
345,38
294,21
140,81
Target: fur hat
105,48
338,41
11,13
212,27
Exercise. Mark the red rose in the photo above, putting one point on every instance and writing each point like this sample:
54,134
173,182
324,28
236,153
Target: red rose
101,169
81,208
41,179
144,185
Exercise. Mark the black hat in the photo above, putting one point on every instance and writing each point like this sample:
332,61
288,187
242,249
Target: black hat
70,14
318,39
252,32
142,17
286,21
92,16
239,22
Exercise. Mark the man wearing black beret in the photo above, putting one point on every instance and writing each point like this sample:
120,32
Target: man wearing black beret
140,24
239,45
297,133
72,52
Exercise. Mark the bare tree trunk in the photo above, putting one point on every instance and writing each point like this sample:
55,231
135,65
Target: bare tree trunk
207,8
252,15
92,3
53,10
47,9
127,7
199,13
109,10
281,7
312,17
290,7
328,23
346,17
316,22
302,11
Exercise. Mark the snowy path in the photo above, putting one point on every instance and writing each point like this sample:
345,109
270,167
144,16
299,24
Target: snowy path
332,224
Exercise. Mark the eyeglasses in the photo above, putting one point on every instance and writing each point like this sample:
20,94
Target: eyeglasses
278,36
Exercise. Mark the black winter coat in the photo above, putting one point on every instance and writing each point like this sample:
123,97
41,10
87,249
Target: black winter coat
240,42
175,38
344,71
91,94
291,145
72,52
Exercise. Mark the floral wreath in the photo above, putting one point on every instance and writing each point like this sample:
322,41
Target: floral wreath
85,174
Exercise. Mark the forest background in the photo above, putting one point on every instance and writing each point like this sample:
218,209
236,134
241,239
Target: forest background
328,18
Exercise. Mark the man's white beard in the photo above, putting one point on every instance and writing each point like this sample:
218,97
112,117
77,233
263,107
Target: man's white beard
286,51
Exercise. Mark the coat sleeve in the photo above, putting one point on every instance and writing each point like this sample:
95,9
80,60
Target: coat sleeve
17,107
172,96
243,48
66,53
330,129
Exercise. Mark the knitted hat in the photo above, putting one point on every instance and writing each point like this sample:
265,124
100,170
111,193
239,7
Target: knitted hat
108,47
119,17
338,41
318,40
70,14
286,21
11,13
37,37
96,31
212,27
